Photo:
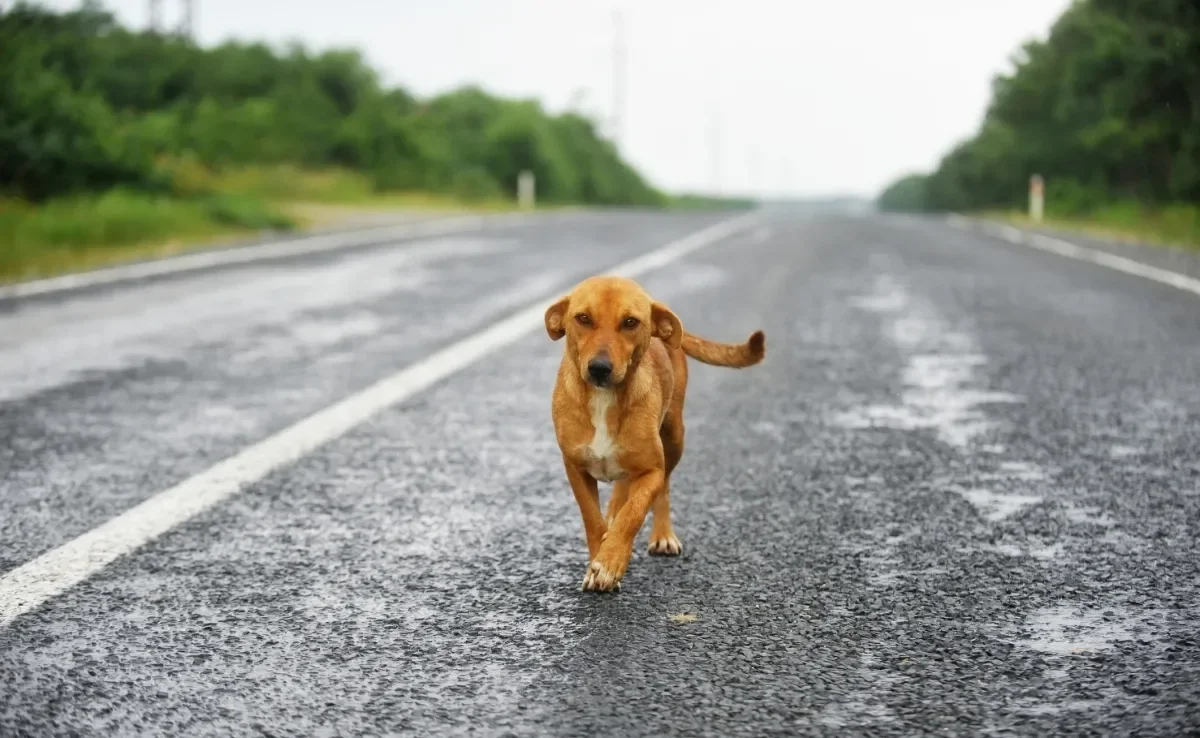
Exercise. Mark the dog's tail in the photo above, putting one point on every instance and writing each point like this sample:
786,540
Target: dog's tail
737,356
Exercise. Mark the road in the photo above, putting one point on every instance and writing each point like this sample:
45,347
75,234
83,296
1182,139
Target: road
960,497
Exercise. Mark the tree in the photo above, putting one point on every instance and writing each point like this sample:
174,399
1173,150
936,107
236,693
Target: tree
1106,108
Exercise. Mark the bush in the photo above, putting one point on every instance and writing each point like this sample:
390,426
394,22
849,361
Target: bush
65,231
909,194
1104,108
86,105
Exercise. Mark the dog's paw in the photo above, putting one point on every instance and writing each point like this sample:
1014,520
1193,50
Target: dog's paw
599,579
668,545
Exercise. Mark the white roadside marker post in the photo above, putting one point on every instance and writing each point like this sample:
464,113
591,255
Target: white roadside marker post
1036,198
525,195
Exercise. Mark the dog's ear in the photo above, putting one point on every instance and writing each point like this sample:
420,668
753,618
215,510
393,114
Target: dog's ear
666,326
556,318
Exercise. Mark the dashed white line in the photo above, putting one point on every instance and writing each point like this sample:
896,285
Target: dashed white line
52,573
1082,253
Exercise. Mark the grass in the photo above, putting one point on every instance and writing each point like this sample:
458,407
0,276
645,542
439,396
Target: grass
318,212
91,231
86,232
689,201
1171,225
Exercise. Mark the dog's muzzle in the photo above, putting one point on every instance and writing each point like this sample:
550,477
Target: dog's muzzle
599,371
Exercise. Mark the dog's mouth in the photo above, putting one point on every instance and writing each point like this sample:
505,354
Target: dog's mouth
602,382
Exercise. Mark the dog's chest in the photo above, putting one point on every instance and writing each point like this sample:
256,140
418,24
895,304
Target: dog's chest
600,453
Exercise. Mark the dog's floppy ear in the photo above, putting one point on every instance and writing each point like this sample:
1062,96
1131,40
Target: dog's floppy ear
666,326
556,318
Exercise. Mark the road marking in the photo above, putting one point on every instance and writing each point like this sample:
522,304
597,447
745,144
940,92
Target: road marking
248,254
52,573
1081,253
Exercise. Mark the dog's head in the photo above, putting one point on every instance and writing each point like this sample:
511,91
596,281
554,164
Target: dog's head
608,323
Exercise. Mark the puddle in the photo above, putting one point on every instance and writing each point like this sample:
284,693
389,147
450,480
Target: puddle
1067,630
1088,515
996,506
1122,452
940,378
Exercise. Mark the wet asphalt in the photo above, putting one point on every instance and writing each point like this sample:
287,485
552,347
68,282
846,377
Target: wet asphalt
960,497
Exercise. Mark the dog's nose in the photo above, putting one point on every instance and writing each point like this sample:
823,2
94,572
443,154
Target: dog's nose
599,369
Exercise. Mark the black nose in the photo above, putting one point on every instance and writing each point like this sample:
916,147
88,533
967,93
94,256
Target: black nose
599,369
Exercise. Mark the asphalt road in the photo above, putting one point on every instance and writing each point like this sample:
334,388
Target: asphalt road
960,497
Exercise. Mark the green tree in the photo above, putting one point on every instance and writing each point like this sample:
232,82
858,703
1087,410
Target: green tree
88,104
1106,108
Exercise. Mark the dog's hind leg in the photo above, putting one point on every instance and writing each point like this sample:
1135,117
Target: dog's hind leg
663,541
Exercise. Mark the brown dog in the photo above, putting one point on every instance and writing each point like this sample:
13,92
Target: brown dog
618,412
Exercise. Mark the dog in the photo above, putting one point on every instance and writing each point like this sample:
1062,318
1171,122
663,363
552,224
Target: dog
617,409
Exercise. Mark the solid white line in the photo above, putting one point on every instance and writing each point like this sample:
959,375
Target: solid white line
1082,253
52,573
762,234
247,254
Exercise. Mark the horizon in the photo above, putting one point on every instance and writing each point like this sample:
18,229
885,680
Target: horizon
712,106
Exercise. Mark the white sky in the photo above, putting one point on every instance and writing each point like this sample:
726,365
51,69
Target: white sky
800,97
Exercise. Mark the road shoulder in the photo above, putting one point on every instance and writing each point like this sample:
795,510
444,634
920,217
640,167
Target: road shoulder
261,248
1178,259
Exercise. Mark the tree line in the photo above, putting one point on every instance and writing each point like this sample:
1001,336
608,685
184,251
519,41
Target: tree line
88,105
1106,109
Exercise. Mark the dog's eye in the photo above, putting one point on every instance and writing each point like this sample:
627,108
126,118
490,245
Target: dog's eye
630,323
583,319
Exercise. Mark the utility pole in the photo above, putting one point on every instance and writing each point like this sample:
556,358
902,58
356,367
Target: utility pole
715,151
155,16
618,81
187,24
754,170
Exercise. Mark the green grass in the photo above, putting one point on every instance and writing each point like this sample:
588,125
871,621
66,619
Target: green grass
91,231
688,201
286,183
1176,225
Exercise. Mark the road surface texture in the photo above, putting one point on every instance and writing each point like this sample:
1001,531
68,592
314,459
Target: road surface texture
960,497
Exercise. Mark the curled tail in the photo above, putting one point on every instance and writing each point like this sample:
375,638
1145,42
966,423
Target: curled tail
733,355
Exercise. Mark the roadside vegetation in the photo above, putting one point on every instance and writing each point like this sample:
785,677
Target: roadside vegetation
117,143
1106,109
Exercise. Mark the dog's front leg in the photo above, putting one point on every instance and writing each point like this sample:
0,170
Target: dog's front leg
608,566
620,493
587,496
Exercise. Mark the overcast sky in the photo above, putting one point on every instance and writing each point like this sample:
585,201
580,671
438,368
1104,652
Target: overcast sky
802,97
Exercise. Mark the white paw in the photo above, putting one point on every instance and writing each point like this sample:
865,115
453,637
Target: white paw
599,579
666,546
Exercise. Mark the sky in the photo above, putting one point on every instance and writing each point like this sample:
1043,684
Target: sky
778,99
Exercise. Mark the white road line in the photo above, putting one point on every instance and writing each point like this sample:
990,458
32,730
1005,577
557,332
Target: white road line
247,254
52,573
1082,253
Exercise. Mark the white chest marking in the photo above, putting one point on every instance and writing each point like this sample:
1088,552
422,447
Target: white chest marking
602,449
